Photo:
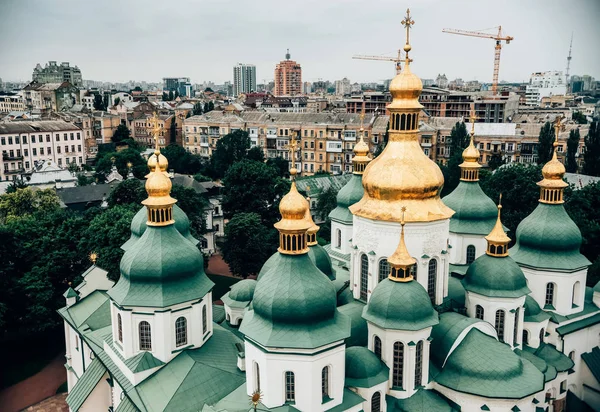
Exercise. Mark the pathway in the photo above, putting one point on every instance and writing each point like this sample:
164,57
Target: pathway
217,266
57,403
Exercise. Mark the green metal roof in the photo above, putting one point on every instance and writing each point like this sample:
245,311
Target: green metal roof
348,195
533,312
475,212
159,270
549,239
218,313
91,312
85,385
350,400
70,293
400,306
551,356
359,332
241,294
364,369
316,184
444,334
578,325
321,259
549,371
142,361
458,269
592,360
456,291
126,405
498,277
482,366
422,401
332,252
226,298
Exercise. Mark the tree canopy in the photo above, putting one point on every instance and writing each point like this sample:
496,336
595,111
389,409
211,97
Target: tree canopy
459,140
326,202
230,148
591,156
545,140
121,134
122,158
182,161
579,117
572,146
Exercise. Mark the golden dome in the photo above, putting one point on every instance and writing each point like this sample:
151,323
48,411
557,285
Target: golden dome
293,208
401,258
361,149
498,240
471,153
405,86
163,163
158,187
553,172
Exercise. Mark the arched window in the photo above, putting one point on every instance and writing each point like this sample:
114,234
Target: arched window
325,381
572,355
516,329
120,327
419,364
576,293
550,294
384,269
470,254
377,346
479,312
413,271
364,276
542,335
181,331
525,337
376,402
500,324
204,320
290,387
145,336
256,376
398,373
431,279
338,237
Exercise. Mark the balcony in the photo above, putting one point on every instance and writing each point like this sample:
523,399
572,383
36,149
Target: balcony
425,144
9,157
14,171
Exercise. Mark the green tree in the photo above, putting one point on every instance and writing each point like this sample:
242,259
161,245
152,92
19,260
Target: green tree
129,191
98,104
459,140
182,161
16,185
572,146
170,95
579,118
165,97
256,153
199,177
73,168
495,161
197,110
83,180
230,148
122,158
206,109
117,101
173,131
544,147
326,202
208,89
281,165
176,94
121,134
27,201
211,106
591,156
247,245
105,102
194,205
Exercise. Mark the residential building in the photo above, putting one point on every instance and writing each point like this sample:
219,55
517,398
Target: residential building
544,84
104,126
369,102
24,144
141,130
49,97
11,103
343,87
441,81
181,85
54,73
244,79
288,77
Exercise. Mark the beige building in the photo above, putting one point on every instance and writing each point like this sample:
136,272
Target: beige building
11,103
141,129
104,126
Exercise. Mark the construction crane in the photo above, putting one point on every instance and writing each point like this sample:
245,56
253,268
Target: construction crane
498,37
396,60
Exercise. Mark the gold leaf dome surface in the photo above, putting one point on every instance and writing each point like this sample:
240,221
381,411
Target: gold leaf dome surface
361,148
158,187
405,86
163,163
293,208
553,172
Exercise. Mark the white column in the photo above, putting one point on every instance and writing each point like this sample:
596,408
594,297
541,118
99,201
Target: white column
426,348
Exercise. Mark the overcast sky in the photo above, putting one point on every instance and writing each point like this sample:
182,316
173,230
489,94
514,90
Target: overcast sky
120,40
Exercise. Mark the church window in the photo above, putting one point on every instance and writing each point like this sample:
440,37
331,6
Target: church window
576,292
204,320
419,364
290,387
364,276
413,271
338,237
550,294
516,330
470,254
431,279
398,375
376,402
256,376
542,335
377,346
180,331
500,324
145,336
384,269
479,312
572,355
119,327
525,337
325,382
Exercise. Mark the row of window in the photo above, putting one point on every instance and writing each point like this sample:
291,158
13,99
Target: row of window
34,151
398,362
550,298
40,138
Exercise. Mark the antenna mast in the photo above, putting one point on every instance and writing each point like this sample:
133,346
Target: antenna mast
569,63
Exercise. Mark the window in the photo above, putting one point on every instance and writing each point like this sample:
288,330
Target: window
431,280
290,387
325,382
120,327
542,335
376,402
364,276
500,324
470,254
32,139
377,346
572,355
77,343
384,269
145,336
47,138
204,320
576,292
479,312
180,331
525,337
516,329
397,377
413,271
419,364
550,294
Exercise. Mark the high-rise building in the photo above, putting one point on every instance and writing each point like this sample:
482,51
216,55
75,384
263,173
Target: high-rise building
244,78
544,84
53,73
342,87
288,77
181,85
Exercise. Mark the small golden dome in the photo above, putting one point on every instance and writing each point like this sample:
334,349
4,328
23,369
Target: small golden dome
361,148
553,173
401,258
471,153
498,235
158,187
163,163
406,85
293,208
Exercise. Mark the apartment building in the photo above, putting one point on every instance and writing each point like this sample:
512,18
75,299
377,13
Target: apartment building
104,126
11,103
288,77
50,97
370,102
244,78
26,143
544,84
55,73
141,129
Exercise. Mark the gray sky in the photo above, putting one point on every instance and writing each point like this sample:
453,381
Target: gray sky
120,40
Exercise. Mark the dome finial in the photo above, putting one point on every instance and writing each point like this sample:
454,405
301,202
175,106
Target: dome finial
497,239
469,169
157,158
407,22
401,262
361,150
553,185
293,147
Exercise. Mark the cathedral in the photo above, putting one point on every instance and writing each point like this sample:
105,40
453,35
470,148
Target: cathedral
417,305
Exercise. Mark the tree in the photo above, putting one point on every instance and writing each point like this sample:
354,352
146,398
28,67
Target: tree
194,205
459,140
208,89
173,131
281,165
27,201
122,158
206,109
495,161
197,110
230,148
211,106
83,180
165,97
176,94
199,177
326,202
170,95
572,146
16,185
129,191
73,168
322,173
544,148
121,134
105,102
579,118
98,104
182,161
248,244
117,101
256,153
591,156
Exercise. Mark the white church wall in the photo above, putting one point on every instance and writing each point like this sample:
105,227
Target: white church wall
533,330
460,242
367,394
565,283
574,345
100,399
341,242
117,394
473,403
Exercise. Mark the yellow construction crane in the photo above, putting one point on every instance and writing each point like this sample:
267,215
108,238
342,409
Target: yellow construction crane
497,37
396,60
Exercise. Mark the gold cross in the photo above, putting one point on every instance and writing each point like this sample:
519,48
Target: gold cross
292,147
473,118
403,209
557,128
155,128
407,22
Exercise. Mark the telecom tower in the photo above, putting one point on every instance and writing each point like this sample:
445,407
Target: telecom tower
569,65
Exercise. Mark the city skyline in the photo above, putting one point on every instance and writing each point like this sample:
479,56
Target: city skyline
210,40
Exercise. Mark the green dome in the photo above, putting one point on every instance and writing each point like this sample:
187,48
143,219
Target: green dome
161,269
138,226
549,239
533,312
475,212
321,259
243,290
496,277
400,306
361,363
348,195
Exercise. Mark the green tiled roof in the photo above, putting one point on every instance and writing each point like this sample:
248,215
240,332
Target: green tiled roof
400,306
321,259
481,365
126,406
364,369
350,400
348,195
551,356
70,293
498,277
456,291
332,252
138,226
92,312
85,385
475,212
294,306
549,239
142,361
459,269
422,401
549,371
218,313
592,360
359,333
445,333
578,325
161,269
241,294
316,184
533,312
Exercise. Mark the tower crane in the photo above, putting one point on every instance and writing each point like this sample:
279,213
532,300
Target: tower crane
396,60
497,37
